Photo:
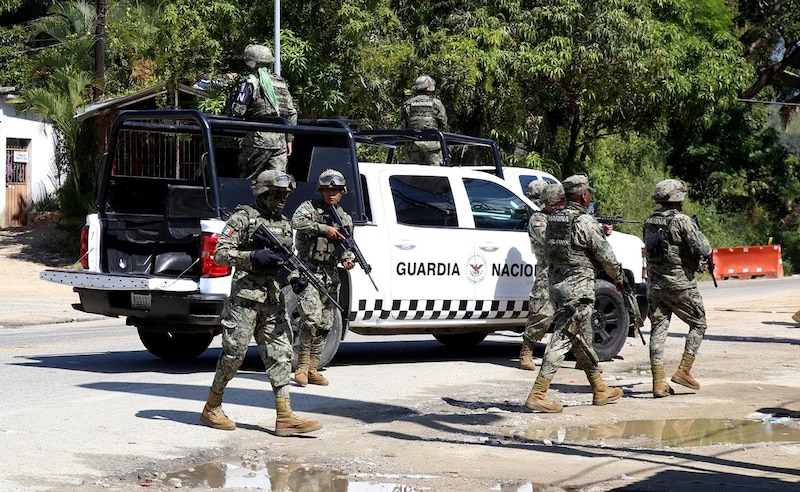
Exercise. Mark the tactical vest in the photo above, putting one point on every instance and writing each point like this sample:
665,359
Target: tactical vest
560,247
281,227
260,105
421,112
318,249
658,240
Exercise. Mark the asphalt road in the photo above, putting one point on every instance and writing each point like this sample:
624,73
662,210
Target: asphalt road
83,401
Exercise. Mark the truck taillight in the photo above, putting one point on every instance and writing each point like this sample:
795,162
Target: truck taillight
208,268
85,247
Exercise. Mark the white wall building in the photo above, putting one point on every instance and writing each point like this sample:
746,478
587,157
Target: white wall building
29,149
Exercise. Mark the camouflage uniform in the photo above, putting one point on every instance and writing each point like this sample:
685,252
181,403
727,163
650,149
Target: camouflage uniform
255,307
575,244
671,286
540,307
424,110
310,222
263,150
575,248
674,246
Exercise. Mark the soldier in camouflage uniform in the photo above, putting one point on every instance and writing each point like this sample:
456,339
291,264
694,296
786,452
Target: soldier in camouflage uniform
674,246
255,307
575,243
540,307
424,110
263,94
319,246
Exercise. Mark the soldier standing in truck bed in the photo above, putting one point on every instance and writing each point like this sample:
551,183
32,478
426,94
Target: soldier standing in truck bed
263,94
424,110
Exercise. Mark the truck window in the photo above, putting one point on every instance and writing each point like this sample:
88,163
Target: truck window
495,207
423,201
525,179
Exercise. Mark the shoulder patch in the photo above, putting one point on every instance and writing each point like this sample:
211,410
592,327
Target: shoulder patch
227,231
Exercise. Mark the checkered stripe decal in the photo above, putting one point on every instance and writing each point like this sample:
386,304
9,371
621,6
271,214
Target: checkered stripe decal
435,309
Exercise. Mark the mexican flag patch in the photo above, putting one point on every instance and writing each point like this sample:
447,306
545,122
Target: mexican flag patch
227,231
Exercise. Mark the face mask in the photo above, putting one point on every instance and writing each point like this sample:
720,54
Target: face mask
269,203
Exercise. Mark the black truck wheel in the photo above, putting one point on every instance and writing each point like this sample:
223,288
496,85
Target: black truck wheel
174,346
334,336
610,323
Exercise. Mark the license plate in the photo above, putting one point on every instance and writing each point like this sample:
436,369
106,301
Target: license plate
140,301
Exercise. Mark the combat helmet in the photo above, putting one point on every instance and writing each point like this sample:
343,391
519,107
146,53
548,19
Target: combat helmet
331,178
272,180
535,188
257,54
424,83
552,194
669,190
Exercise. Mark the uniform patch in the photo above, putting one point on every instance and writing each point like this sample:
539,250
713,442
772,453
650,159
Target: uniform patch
228,231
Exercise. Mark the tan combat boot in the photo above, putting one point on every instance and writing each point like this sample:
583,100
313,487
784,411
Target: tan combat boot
537,399
602,393
289,424
213,416
526,356
661,388
682,375
301,373
314,377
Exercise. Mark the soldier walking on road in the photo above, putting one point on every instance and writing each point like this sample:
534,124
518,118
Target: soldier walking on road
424,110
319,245
540,308
255,307
575,243
674,246
263,94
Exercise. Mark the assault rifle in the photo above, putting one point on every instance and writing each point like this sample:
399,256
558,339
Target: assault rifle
267,237
350,244
617,219
707,258
633,308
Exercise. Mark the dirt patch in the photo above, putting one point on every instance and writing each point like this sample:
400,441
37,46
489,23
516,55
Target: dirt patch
46,241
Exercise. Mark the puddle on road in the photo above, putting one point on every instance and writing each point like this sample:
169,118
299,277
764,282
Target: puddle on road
677,432
291,476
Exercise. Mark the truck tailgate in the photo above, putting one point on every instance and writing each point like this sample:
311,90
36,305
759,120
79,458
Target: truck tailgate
108,281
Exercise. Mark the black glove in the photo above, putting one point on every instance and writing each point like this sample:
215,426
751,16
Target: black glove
298,284
263,258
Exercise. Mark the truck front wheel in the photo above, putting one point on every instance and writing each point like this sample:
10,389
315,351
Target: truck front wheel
174,346
334,336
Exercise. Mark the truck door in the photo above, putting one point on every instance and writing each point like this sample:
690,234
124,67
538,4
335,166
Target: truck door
500,219
429,247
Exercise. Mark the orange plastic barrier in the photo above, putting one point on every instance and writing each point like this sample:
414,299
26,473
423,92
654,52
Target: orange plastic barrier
745,262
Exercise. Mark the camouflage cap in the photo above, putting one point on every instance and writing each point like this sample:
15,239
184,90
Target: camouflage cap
669,190
576,184
552,194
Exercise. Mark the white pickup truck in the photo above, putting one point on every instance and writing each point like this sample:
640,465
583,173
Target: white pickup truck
447,245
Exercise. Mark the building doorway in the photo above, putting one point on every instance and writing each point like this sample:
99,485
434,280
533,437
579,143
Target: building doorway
17,182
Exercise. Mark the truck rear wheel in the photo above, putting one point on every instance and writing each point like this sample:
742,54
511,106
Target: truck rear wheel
174,346
610,323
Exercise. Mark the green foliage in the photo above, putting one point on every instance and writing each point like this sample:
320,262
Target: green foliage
13,66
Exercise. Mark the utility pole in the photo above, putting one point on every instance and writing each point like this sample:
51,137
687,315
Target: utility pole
277,66
99,50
